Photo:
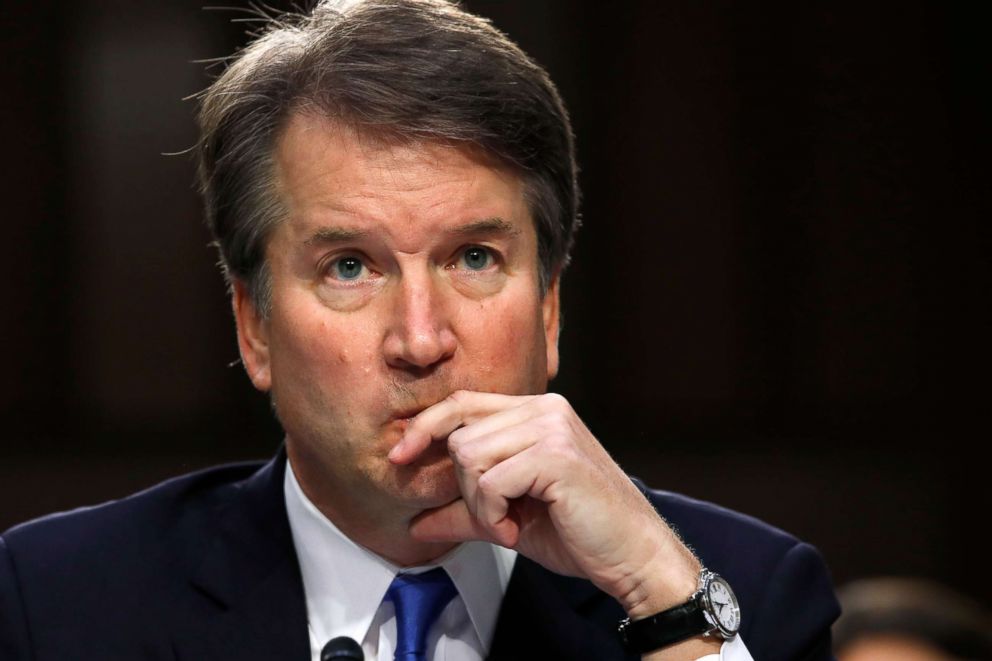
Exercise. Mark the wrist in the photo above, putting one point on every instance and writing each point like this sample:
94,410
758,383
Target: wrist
667,581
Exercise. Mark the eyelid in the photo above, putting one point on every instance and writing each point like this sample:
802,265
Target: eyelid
493,253
326,265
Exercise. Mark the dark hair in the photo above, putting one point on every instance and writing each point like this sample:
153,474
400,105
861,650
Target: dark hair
402,69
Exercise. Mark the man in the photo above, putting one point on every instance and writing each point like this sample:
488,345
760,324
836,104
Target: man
391,185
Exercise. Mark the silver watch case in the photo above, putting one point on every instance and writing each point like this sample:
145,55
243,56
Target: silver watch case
724,616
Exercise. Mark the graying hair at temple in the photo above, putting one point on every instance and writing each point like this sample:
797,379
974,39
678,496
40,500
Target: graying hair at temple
402,70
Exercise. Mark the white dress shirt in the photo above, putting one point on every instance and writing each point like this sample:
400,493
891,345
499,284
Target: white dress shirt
345,585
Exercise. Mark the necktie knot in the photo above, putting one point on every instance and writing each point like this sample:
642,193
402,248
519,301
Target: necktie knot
418,600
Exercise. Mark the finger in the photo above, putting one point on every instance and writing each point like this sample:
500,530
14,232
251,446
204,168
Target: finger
482,445
523,474
454,523
474,455
438,421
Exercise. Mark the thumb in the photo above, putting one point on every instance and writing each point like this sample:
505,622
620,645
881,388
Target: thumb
454,523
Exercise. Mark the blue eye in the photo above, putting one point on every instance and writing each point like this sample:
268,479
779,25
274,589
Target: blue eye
347,268
477,258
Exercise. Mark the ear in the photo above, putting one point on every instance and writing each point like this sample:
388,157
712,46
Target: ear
551,325
253,337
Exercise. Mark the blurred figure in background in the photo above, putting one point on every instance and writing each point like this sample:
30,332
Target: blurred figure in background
906,619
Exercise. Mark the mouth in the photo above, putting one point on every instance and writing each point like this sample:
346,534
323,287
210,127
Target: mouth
396,427
400,420
408,413
405,415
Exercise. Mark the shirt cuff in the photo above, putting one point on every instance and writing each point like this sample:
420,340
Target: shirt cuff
731,650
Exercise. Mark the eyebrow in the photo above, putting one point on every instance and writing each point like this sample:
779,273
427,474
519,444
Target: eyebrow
494,225
335,235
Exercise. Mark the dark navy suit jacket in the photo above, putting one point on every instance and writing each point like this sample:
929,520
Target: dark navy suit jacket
202,568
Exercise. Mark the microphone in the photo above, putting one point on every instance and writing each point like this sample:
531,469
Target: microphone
343,648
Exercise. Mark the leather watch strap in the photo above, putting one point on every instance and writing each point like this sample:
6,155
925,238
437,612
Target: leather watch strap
666,628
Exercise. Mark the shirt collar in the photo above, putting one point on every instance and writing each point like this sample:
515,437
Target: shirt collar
345,582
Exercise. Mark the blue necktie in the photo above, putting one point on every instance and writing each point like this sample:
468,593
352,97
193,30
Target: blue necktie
418,600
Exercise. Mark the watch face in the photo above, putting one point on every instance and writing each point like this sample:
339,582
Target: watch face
723,606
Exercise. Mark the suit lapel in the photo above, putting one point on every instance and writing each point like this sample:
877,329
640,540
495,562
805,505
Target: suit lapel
250,574
547,616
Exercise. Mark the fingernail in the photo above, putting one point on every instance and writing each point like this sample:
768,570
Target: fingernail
396,451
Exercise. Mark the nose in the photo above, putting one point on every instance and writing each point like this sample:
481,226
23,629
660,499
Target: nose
419,336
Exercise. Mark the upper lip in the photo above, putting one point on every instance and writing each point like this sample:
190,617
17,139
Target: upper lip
407,413
414,410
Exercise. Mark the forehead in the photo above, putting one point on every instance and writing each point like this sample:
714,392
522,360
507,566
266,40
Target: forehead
327,169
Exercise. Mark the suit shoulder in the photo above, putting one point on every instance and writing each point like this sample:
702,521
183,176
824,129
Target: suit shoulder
701,520
729,542
140,519
114,580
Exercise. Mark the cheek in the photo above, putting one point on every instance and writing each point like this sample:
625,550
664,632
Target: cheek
325,378
330,354
506,346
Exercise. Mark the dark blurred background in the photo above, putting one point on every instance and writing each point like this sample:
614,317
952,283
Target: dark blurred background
779,300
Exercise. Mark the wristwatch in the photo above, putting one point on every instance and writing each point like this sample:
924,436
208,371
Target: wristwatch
711,611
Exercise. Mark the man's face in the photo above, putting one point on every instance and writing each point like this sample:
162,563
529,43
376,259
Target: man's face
401,273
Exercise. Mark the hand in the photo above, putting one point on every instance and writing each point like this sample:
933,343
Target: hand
533,478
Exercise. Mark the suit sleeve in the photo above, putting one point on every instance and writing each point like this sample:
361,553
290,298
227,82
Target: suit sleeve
14,639
796,610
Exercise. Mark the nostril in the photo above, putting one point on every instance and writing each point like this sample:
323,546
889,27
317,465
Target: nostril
419,372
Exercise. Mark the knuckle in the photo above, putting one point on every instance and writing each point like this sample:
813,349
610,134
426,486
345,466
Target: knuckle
459,447
456,439
555,422
552,401
486,485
